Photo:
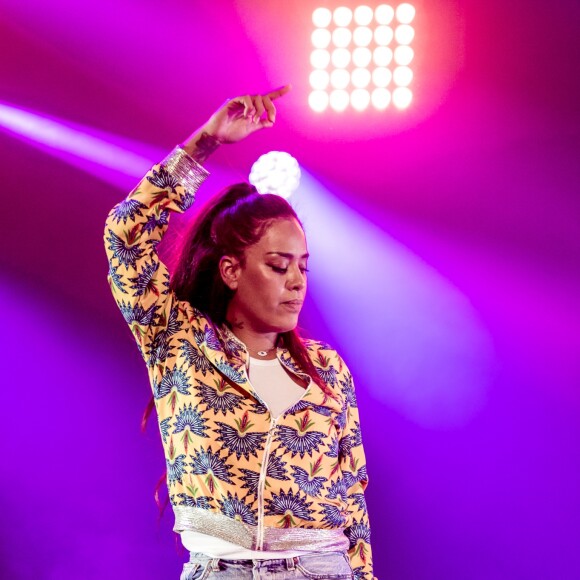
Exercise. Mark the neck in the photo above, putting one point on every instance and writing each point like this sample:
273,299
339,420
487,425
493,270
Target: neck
255,341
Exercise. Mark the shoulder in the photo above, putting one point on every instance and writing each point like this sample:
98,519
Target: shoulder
325,356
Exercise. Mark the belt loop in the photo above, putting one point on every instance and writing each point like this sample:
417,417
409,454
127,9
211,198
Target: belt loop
291,563
214,564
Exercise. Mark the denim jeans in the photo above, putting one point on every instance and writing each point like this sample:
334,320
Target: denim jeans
315,566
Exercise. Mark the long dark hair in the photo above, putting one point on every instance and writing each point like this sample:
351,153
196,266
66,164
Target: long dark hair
233,220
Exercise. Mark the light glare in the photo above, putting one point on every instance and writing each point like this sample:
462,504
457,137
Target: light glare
363,15
339,100
404,34
342,16
321,38
402,97
384,14
405,13
320,58
276,172
321,17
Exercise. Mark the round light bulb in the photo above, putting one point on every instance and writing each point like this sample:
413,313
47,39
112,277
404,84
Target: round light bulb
360,99
403,55
404,34
380,99
340,57
321,17
341,37
361,57
339,100
319,79
321,38
402,76
405,13
319,58
342,16
362,36
339,78
383,35
384,14
363,15
318,101
382,77
276,172
402,97
382,56
360,77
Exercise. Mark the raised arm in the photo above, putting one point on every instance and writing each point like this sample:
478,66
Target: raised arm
138,279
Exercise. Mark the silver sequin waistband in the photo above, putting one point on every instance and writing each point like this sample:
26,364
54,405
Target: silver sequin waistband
216,524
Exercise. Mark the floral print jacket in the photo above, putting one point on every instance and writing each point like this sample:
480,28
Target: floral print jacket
295,481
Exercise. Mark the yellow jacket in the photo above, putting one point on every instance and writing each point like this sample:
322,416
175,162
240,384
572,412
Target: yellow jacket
295,481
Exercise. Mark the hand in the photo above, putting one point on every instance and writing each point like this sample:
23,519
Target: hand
239,117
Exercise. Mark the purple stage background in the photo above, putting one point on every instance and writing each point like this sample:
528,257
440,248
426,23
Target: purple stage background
446,252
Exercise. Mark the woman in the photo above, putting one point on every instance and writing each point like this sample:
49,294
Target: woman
265,465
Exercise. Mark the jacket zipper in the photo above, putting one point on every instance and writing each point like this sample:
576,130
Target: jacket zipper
262,484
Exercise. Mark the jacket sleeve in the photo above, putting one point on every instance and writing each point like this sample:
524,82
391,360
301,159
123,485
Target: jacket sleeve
353,465
138,279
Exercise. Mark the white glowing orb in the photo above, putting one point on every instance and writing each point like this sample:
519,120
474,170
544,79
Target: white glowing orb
321,17
402,76
382,56
321,38
363,15
339,78
382,77
384,14
360,99
341,37
405,13
342,16
319,79
341,57
402,97
383,35
320,58
404,34
380,99
361,56
318,101
362,36
404,55
360,77
339,100
276,172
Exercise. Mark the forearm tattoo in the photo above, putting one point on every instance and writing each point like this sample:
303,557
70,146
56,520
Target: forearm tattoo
204,147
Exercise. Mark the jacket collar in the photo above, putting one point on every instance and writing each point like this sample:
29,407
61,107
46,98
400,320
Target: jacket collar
229,355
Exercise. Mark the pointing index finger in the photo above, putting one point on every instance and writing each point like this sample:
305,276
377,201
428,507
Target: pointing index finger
277,93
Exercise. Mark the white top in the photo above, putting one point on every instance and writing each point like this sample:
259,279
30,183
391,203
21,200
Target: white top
279,392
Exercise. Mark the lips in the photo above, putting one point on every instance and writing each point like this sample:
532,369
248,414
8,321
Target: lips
294,302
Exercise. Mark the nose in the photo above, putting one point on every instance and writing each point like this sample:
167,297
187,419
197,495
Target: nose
296,279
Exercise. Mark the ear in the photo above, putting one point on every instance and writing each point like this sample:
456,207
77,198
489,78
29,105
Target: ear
230,269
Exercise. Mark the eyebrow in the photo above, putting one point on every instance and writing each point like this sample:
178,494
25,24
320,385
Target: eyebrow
287,255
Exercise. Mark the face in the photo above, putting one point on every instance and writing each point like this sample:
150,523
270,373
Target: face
269,288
